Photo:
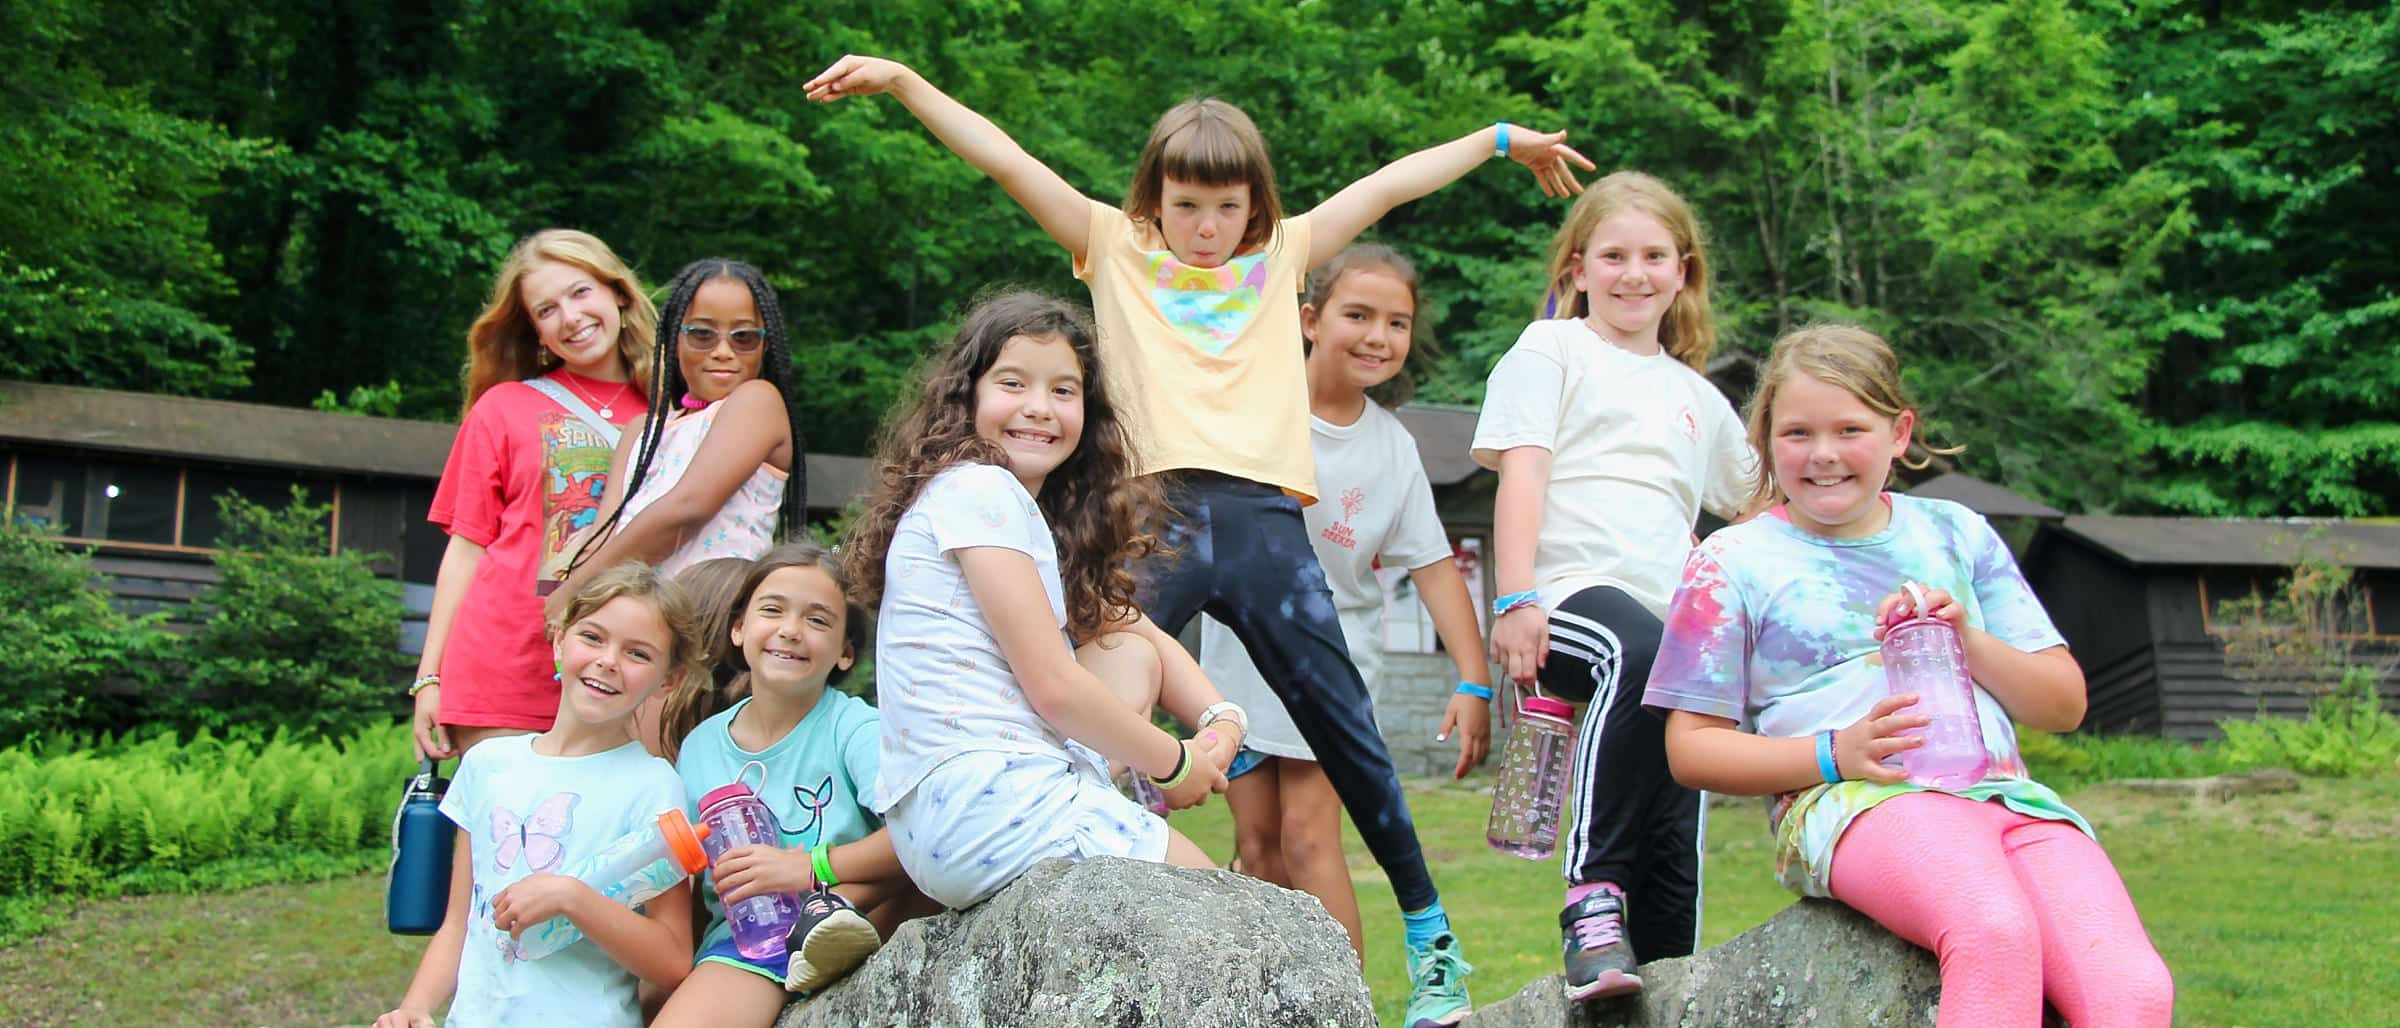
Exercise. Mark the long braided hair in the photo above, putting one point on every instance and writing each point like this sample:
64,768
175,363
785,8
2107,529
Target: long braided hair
667,387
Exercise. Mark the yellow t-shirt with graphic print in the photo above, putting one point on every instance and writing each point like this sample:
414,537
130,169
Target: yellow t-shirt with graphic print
1204,363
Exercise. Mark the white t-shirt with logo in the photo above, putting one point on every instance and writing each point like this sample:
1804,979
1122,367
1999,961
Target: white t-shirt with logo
941,684
1638,445
1375,506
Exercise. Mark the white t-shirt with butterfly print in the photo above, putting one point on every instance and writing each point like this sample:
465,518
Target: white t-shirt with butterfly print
940,681
815,779
527,813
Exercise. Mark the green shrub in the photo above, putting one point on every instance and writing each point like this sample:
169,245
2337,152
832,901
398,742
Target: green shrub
81,816
70,656
293,637
2347,734
2066,761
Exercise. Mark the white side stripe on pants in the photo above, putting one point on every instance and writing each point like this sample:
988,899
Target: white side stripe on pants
1593,643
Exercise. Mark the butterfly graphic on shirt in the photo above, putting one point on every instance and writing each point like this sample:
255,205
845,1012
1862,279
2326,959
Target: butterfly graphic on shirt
812,803
538,839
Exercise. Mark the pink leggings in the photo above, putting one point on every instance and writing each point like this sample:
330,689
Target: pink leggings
2017,908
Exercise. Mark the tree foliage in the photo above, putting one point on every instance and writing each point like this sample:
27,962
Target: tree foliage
2128,251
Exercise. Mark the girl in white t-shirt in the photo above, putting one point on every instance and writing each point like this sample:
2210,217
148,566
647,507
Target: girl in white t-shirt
1609,441
1358,321
1011,665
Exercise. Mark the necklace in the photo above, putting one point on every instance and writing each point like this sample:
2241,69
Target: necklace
607,410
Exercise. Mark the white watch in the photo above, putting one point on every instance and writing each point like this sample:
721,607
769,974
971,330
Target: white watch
1225,710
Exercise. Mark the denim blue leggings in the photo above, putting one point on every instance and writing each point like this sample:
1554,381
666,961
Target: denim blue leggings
1242,556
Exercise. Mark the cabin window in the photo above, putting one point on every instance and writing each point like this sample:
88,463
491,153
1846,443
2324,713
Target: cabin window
136,504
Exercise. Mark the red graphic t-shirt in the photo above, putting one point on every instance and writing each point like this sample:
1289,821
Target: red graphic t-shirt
522,477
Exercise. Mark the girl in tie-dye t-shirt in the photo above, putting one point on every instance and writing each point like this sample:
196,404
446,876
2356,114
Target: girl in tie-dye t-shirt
1771,676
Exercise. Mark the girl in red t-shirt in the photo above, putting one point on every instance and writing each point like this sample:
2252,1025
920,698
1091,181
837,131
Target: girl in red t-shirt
555,363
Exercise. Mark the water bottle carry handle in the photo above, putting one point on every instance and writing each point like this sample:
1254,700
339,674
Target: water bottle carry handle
761,793
1916,598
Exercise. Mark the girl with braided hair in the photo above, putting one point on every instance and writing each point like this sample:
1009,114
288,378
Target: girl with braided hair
717,470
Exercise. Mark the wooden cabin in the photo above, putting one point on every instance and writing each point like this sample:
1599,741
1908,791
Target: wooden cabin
2138,599
135,477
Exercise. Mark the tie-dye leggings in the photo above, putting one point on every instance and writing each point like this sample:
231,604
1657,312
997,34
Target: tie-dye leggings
1242,556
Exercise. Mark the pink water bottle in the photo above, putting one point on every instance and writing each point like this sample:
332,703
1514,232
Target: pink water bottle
735,816
1923,655
1532,791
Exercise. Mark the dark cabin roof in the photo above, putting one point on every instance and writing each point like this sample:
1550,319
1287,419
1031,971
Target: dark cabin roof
219,430
2234,542
1985,498
1444,432
284,437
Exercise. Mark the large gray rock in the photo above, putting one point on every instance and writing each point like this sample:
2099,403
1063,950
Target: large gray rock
1107,942
1816,963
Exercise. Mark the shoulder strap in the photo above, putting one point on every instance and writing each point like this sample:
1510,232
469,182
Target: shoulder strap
574,404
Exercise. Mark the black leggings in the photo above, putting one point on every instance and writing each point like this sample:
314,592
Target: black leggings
1630,823
1243,558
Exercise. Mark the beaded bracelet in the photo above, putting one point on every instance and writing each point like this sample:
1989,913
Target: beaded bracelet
423,683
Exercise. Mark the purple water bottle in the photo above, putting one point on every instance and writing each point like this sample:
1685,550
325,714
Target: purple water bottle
1532,791
735,816
1923,655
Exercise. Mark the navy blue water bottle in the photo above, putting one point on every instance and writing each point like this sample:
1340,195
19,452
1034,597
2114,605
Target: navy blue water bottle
417,891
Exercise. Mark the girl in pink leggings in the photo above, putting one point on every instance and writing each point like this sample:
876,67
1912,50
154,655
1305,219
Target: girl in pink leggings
1771,678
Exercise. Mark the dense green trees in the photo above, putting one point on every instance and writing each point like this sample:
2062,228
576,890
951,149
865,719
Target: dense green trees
2131,251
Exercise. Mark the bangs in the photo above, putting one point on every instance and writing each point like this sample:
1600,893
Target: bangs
1209,152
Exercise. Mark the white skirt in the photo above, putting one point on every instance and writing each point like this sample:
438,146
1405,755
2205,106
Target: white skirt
979,820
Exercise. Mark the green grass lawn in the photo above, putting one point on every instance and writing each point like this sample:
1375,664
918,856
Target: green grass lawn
2275,910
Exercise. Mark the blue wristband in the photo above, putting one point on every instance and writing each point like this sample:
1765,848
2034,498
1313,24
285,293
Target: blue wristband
1500,145
1481,692
1825,762
1514,600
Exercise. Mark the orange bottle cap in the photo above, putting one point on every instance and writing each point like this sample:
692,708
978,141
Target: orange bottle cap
683,840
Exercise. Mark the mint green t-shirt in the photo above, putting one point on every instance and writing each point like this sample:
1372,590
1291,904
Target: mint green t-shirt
815,777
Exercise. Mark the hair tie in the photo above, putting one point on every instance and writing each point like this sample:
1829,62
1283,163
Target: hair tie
691,402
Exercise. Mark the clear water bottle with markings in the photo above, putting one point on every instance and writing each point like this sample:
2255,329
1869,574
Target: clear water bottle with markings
1532,791
1923,655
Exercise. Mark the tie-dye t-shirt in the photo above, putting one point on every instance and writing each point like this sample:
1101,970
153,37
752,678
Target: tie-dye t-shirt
1204,363
1774,628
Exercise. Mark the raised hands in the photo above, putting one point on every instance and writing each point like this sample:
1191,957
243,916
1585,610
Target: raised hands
1551,160
856,75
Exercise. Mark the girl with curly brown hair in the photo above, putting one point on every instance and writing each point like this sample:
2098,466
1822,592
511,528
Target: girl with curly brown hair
1012,666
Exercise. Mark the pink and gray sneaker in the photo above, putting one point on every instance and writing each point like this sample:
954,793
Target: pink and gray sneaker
1599,956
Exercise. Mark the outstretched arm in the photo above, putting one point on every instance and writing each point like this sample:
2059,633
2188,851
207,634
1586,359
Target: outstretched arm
1339,220
1062,211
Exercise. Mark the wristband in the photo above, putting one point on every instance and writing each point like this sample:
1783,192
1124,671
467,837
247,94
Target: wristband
1183,769
822,858
1481,692
1513,601
1226,710
1826,765
423,683
1500,145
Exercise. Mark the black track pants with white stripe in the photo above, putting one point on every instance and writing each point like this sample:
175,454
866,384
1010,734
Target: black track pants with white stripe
1628,822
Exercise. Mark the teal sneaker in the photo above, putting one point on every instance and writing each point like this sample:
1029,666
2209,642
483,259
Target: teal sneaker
1437,984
